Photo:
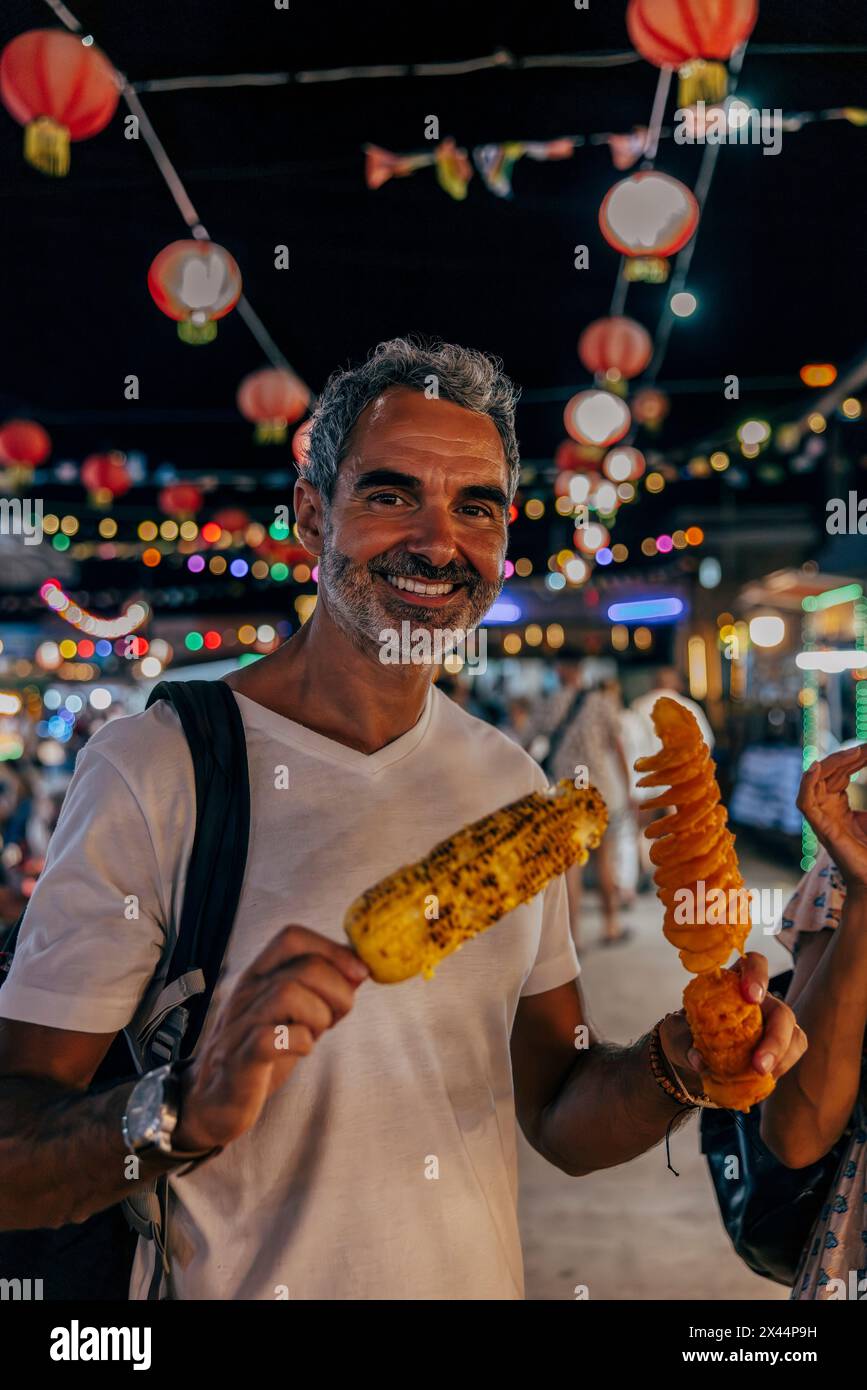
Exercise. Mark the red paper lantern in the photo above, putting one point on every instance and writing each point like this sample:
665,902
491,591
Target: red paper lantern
647,218
23,444
697,37
180,499
617,348
650,407
570,456
287,552
624,464
232,519
195,283
272,398
59,90
592,537
105,476
597,417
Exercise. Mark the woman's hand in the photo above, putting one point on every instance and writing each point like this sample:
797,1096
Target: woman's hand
824,802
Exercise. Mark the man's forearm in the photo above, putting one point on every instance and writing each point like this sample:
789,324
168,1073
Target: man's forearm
608,1110
62,1155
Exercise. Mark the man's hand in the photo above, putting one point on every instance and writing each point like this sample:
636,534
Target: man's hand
782,1042
297,988
823,800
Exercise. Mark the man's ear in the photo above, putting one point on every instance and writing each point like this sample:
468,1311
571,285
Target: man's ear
309,515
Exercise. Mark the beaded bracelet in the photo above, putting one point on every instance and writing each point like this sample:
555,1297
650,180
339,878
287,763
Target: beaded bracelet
679,1092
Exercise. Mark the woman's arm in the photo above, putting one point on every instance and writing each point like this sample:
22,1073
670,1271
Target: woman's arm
812,1104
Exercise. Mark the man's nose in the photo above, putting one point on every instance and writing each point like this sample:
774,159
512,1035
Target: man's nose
431,536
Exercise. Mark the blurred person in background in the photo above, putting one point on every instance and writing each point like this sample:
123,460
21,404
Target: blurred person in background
462,694
44,816
668,682
624,830
518,721
16,804
578,728
16,798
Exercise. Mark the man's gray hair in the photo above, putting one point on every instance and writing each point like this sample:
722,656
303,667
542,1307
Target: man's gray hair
462,375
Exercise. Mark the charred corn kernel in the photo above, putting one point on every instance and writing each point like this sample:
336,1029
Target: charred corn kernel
420,914
695,862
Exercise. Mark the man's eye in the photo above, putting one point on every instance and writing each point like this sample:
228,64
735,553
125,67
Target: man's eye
476,509
388,497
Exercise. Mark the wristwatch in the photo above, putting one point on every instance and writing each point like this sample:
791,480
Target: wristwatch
151,1115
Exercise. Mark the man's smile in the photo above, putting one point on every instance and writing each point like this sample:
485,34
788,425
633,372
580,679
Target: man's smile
421,592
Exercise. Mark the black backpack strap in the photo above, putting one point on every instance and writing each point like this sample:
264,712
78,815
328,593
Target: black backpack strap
214,730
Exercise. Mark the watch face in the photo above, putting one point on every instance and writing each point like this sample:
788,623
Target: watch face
149,1118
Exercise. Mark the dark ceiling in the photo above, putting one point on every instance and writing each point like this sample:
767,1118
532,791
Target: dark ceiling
778,268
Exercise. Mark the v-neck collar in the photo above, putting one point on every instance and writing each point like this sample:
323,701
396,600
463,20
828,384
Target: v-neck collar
316,745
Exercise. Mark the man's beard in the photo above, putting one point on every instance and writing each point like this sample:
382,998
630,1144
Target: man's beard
352,596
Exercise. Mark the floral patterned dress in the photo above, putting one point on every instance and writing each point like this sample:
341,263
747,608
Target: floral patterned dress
834,1261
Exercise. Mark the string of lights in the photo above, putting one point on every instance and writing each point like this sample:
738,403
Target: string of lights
500,60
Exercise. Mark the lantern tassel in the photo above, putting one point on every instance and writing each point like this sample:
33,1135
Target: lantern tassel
46,146
649,270
15,477
270,431
700,80
197,333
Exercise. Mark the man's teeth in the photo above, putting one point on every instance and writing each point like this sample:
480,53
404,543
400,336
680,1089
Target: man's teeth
417,586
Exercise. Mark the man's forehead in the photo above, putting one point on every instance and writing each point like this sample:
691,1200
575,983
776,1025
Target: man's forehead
422,426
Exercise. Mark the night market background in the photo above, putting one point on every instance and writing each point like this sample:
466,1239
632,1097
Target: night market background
355,176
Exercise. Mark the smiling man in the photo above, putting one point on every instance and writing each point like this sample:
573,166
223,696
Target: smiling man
376,1158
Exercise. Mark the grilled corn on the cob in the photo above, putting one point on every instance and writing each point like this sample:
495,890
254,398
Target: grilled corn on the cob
417,916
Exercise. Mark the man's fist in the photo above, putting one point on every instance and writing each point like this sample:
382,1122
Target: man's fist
297,988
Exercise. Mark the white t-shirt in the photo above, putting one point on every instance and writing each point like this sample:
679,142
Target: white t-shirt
385,1168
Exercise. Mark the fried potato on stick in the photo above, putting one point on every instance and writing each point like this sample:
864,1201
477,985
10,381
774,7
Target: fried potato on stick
695,863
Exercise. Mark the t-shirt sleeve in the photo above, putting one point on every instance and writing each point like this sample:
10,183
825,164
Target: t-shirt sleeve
93,932
815,905
556,962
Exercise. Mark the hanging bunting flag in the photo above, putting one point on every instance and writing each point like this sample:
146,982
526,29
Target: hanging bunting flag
626,150
381,165
454,170
563,148
495,164
496,161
